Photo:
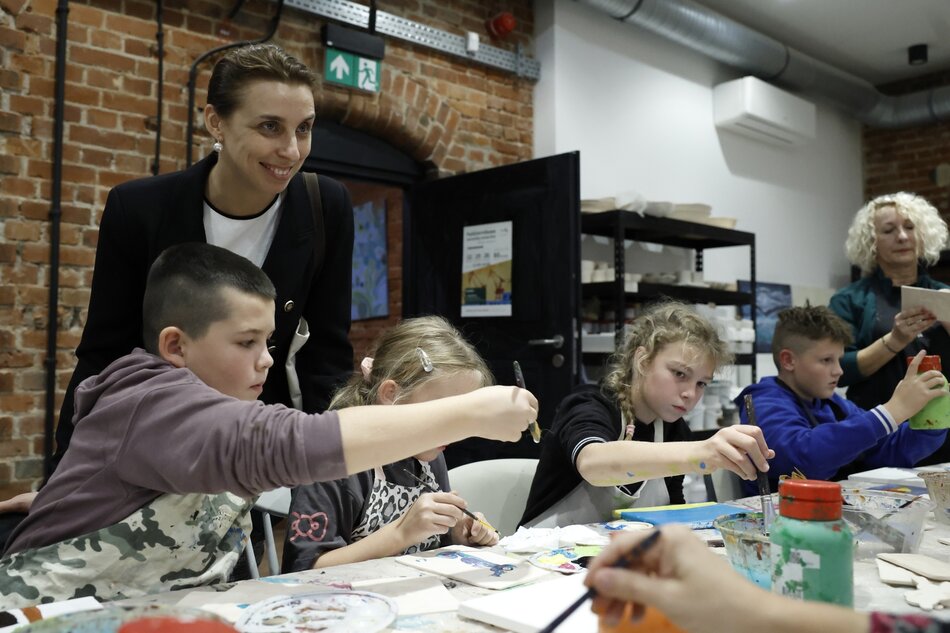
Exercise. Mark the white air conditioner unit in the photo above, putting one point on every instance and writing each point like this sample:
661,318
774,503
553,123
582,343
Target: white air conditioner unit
752,107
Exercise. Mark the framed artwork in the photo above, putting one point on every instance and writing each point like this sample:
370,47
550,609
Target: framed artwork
370,270
770,299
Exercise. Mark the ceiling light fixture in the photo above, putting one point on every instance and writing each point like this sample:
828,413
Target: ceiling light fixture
917,54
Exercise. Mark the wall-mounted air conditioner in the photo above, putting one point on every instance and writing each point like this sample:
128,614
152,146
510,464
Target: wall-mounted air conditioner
752,107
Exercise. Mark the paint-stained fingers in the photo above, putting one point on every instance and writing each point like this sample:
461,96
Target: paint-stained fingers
755,446
914,365
741,465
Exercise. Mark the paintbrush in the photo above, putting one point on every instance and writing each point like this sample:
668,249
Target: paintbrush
627,560
519,380
429,488
765,494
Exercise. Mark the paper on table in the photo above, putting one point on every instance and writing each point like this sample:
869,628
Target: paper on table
479,567
529,609
414,596
544,539
888,475
934,300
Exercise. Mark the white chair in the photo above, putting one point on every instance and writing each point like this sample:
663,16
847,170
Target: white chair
498,488
276,502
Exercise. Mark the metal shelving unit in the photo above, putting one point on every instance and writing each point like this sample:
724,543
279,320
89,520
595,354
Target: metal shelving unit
626,225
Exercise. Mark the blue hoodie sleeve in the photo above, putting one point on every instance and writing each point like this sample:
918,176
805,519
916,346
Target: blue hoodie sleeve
817,452
821,451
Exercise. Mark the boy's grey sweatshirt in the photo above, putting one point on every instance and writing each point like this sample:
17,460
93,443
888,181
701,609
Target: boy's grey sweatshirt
145,428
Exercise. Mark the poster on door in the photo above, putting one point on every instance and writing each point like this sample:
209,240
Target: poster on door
486,270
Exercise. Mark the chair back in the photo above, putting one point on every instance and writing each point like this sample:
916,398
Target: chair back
498,488
273,502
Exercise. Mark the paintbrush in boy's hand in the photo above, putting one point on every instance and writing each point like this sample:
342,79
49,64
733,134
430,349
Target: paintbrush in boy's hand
429,488
765,494
627,560
519,380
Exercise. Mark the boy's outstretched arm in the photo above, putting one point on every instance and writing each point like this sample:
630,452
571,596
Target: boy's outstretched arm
385,434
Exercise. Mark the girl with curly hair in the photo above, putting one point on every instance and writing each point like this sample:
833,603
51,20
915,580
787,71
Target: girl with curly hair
624,443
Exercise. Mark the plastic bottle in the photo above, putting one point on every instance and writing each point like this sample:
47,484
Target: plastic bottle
936,413
811,545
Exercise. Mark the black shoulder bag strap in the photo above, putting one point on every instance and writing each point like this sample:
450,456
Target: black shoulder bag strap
316,206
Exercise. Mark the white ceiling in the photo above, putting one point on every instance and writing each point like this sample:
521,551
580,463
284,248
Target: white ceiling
867,38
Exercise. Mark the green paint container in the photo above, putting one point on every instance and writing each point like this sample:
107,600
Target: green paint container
936,413
811,545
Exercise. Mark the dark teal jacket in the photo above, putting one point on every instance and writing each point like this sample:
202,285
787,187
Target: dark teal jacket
856,303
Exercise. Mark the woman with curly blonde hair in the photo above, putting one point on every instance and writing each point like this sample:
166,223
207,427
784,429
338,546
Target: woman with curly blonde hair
624,443
892,239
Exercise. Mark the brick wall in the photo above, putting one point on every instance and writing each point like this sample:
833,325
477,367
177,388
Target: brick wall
905,159
447,114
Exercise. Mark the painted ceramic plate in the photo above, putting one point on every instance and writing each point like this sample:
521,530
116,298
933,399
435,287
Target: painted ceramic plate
567,560
328,612
110,618
627,526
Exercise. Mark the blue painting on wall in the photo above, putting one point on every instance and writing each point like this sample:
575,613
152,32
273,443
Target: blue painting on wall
370,270
770,299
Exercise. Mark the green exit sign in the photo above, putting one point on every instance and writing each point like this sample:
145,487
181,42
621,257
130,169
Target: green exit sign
352,71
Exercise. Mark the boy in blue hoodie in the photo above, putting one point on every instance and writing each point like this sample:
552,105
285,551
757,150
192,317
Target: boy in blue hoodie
815,430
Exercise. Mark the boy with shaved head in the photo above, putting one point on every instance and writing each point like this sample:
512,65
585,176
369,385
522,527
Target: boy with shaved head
815,430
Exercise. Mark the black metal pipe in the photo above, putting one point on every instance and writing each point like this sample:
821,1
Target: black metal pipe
193,75
55,214
160,44
372,16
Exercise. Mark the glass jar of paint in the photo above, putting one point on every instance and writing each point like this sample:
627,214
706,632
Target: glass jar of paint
811,545
936,413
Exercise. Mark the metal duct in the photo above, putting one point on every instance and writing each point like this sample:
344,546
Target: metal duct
729,42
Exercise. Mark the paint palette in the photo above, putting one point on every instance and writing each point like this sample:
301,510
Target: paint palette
621,525
328,612
111,618
567,560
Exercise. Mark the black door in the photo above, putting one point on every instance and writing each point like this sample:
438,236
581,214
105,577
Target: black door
540,198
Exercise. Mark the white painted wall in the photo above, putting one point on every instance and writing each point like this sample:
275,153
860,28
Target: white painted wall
639,110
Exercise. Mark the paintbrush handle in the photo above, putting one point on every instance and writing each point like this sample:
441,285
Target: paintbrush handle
429,488
559,620
519,381
627,560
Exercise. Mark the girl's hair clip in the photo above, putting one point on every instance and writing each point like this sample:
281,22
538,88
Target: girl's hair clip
426,361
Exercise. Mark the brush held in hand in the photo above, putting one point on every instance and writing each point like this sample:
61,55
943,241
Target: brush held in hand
628,560
762,479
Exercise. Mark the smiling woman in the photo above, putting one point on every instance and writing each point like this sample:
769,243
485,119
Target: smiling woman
249,197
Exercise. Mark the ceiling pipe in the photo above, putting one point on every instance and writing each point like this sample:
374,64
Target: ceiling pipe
737,45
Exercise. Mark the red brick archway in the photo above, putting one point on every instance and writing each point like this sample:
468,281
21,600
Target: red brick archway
406,114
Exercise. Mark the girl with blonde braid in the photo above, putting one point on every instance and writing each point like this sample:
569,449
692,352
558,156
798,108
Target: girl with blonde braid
624,443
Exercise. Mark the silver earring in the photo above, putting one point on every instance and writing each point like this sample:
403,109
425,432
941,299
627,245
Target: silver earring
218,146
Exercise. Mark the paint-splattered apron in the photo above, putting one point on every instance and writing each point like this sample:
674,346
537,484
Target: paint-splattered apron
593,504
388,502
173,542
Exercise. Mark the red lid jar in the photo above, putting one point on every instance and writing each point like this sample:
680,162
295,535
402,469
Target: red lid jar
809,500
927,363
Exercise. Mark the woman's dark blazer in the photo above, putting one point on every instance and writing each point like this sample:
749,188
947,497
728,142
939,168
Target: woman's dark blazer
144,217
